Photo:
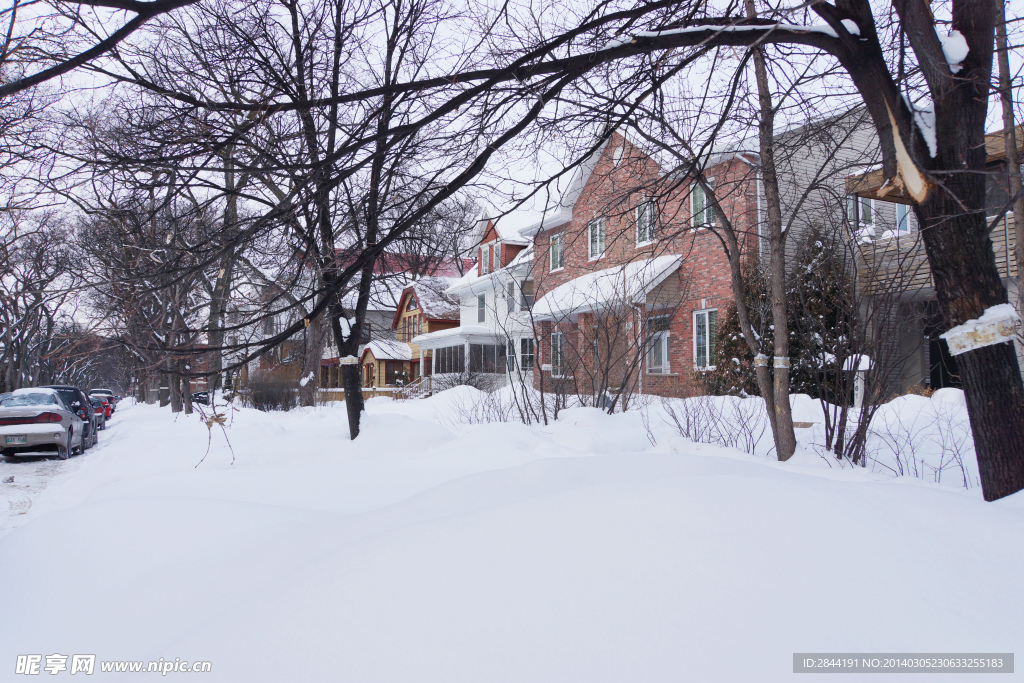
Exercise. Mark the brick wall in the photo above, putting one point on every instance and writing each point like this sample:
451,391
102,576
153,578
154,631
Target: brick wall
620,181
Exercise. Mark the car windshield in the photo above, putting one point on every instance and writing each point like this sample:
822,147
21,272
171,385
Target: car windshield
19,400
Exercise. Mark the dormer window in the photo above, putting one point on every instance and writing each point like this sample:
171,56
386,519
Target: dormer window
485,259
413,305
497,255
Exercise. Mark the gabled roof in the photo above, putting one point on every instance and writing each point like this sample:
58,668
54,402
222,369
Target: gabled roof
627,284
388,349
504,232
562,212
432,299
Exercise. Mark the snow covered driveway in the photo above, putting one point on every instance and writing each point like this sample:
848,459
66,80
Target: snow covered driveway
498,552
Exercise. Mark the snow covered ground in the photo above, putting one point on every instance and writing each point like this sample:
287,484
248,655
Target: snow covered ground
598,548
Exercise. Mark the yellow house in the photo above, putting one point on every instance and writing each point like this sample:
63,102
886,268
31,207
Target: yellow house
424,307
386,363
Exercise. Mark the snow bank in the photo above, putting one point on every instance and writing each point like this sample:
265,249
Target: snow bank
595,548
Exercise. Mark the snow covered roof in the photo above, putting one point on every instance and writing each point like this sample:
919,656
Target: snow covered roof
629,283
433,301
388,349
562,213
453,335
35,390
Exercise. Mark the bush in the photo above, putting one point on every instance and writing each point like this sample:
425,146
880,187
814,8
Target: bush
270,390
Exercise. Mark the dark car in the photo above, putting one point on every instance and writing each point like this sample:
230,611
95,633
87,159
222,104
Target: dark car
80,404
201,397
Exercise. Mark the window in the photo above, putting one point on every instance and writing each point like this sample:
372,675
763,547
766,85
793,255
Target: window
645,218
485,259
526,354
705,329
488,358
558,251
413,305
496,253
658,341
450,359
902,219
526,295
511,296
596,230
859,210
557,354
703,208
481,308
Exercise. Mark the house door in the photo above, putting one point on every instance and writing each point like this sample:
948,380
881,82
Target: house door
368,375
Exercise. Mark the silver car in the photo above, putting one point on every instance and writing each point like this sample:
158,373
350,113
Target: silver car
36,422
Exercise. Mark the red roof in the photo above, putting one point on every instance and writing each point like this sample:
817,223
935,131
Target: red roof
416,264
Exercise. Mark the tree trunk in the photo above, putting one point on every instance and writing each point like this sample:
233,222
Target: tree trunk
1010,147
785,437
966,283
312,353
175,381
353,397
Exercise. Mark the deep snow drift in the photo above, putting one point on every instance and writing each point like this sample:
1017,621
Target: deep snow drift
598,548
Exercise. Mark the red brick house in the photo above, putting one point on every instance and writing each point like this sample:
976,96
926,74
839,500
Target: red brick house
629,282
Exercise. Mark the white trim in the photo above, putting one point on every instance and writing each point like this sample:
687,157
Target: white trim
708,350
636,221
707,205
603,241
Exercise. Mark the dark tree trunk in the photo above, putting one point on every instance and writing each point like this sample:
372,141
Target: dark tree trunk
353,397
312,352
967,282
1010,147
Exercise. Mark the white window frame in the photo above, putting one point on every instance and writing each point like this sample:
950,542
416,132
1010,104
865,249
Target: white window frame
708,349
902,223
496,256
557,244
558,370
660,340
481,308
649,210
700,218
596,224
485,259
523,355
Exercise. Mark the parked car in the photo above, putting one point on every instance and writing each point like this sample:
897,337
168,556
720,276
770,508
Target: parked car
107,394
76,399
36,422
100,411
201,397
108,406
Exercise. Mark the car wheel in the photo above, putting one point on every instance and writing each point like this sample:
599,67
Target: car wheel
63,451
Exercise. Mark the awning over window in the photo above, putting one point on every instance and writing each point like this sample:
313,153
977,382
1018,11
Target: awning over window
629,284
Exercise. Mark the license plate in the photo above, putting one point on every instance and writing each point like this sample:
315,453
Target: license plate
15,439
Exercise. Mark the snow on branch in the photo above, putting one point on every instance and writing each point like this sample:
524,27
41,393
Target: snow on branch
955,49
